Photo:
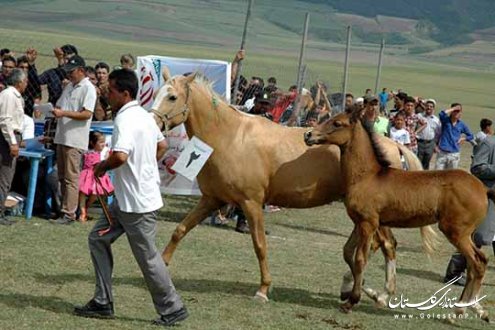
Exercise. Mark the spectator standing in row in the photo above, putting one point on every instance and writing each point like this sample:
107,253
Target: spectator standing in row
53,78
102,70
373,117
399,101
32,94
74,110
428,137
398,131
384,97
414,124
8,64
127,61
454,132
11,121
485,130
137,145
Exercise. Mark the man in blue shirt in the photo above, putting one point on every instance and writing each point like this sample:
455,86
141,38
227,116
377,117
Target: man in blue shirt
454,132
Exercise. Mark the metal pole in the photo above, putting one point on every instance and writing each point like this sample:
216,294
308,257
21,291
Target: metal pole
301,54
346,66
379,70
243,42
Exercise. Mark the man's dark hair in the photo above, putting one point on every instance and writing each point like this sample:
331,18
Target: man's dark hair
4,51
272,80
293,87
69,49
102,65
22,59
485,122
9,58
401,96
349,95
125,80
409,99
455,104
89,69
262,82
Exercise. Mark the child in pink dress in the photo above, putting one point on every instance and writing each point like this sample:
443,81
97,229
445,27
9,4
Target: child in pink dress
88,188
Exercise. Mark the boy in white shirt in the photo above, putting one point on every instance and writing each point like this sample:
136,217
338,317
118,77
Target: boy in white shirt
398,132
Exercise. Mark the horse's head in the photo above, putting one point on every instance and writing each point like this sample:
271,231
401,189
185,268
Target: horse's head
337,130
171,102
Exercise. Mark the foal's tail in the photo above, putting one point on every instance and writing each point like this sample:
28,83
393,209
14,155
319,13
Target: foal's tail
430,240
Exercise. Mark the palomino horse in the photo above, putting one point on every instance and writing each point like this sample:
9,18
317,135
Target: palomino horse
254,161
377,195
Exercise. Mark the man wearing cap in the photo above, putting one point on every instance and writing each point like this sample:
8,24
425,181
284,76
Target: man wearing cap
74,110
428,137
11,120
372,115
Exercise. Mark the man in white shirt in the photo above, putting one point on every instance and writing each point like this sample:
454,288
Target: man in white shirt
428,137
11,118
74,110
137,145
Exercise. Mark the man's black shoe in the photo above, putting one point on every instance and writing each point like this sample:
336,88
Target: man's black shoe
63,220
172,318
242,228
96,310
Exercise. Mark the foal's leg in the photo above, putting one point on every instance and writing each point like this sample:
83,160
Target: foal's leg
348,280
364,231
476,267
388,244
204,208
254,213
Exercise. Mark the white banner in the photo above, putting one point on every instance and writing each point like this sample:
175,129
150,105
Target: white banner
149,70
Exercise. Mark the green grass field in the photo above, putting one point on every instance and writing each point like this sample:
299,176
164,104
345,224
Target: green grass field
46,269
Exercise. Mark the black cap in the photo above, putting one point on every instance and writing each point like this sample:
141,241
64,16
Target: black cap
263,98
69,49
74,62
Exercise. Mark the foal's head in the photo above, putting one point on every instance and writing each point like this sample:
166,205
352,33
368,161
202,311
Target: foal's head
170,106
337,130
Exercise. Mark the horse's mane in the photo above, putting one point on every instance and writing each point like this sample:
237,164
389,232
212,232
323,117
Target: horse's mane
207,84
378,150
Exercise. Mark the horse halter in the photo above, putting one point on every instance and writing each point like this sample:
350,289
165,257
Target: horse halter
164,118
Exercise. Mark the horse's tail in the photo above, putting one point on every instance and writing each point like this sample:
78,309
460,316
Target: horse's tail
412,162
429,239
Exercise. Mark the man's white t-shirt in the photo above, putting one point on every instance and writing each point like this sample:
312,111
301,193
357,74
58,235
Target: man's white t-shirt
400,135
137,182
70,132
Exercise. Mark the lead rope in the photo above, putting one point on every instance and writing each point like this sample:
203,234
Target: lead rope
104,206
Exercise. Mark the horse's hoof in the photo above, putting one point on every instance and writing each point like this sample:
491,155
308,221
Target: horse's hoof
380,303
345,295
346,307
260,297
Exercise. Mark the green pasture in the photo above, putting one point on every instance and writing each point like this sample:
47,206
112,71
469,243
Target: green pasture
46,269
